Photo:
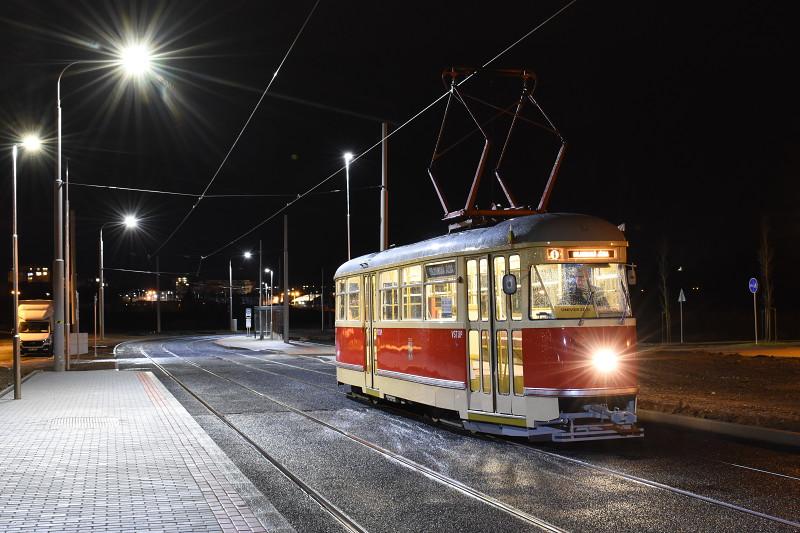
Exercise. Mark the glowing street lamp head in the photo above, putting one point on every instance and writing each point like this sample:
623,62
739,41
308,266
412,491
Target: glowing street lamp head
130,221
348,156
31,143
248,255
135,59
267,271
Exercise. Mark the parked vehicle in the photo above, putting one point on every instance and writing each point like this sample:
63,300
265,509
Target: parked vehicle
36,327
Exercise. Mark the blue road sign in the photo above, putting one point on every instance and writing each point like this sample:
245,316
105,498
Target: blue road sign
753,285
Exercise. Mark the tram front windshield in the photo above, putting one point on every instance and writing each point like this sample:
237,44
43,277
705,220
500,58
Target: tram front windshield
578,290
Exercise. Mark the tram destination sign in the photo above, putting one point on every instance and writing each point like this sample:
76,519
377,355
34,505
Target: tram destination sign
441,270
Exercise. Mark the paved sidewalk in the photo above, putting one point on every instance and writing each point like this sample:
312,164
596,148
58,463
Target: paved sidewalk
293,348
115,451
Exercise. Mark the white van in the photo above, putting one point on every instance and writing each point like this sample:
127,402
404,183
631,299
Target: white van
36,327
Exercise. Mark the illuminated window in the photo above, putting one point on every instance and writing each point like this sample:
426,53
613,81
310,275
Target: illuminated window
574,290
474,361
341,294
411,288
486,365
473,294
517,362
353,299
503,381
440,291
484,288
388,295
516,298
499,295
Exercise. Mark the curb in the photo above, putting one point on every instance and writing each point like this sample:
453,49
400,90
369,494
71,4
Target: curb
755,433
25,378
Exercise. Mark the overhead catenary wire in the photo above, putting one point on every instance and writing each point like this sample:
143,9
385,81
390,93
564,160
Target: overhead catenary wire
241,131
194,195
300,196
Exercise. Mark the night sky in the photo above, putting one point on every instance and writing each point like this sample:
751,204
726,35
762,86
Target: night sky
681,120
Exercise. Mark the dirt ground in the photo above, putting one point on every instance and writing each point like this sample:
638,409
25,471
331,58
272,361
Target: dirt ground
756,390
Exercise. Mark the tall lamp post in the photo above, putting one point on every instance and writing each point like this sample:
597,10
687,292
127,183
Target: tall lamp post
269,295
30,143
130,222
347,158
246,255
135,61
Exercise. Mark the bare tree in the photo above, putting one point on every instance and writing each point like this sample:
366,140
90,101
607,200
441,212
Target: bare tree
663,273
765,257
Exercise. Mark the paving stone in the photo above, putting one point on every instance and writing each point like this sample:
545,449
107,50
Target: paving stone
112,451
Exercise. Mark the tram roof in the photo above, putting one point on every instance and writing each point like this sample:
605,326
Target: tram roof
545,227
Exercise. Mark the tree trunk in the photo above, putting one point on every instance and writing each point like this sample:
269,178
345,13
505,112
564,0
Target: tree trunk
765,258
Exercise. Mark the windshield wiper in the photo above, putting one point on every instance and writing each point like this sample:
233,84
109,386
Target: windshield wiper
590,301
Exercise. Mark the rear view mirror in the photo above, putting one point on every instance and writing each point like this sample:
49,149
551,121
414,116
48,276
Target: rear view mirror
509,284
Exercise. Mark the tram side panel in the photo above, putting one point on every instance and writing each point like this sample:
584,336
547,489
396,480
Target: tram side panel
423,364
350,355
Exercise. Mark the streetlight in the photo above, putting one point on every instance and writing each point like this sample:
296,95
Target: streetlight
348,156
129,222
246,255
135,60
30,143
271,332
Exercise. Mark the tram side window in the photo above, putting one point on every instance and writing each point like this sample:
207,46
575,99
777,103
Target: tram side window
341,295
353,299
389,297
499,295
411,290
516,298
516,351
540,302
474,361
484,288
440,291
473,297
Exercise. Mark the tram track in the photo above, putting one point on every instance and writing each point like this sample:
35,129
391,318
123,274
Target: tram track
338,514
606,470
527,447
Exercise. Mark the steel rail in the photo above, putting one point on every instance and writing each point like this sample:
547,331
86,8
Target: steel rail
653,484
404,461
340,516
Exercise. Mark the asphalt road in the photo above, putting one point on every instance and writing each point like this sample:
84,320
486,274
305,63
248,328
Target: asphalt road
392,472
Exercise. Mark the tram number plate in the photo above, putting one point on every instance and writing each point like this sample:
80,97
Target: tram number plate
457,334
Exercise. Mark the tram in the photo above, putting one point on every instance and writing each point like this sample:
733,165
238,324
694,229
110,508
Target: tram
523,328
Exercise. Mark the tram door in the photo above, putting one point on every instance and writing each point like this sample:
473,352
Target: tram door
369,330
479,335
494,340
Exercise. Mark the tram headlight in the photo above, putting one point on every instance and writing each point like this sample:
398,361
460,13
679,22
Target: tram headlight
605,360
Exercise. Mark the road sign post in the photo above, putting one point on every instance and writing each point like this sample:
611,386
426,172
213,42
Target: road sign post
681,299
753,286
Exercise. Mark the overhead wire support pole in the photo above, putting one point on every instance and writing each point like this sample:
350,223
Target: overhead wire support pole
15,282
396,130
384,244
286,278
260,294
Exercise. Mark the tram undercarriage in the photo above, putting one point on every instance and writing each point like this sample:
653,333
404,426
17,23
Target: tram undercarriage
601,418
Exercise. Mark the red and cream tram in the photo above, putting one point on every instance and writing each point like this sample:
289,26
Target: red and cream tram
523,328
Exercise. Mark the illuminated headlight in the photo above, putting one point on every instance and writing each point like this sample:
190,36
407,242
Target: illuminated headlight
605,360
